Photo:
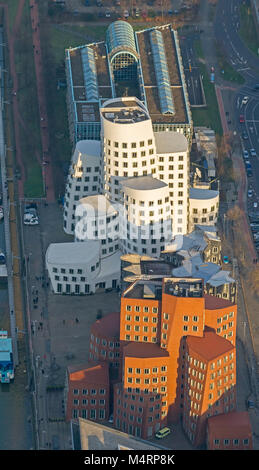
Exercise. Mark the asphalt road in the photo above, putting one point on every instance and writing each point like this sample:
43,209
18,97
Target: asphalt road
245,107
191,70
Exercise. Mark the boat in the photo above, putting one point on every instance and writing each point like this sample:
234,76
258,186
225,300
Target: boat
6,358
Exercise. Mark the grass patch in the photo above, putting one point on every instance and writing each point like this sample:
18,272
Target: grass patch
30,137
33,186
208,116
247,30
12,10
230,74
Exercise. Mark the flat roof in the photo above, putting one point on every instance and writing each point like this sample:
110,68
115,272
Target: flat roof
203,194
214,303
124,111
143,183
170,142
109,325
230,425
210,345
92,373
144,289
144,350
96,436
101,81
71,253
149,77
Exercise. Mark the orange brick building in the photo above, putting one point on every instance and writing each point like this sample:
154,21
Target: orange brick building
230,431
173,349
157,318
87,392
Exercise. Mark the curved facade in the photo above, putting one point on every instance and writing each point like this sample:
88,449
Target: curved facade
97,219
128,143
84,178
148,225
204,206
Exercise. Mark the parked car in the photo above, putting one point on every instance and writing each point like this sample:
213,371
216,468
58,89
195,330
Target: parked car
225,259
30,216
241,118
253,153
255,204
250,193
245,154
244,136
250,404
162,433
126,14
245,99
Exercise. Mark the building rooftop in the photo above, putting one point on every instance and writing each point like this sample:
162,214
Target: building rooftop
160,73
144,350
197,193
109,325
183,287
210,346
230,425
99,204
143,183
172,77
95,436
124,111
72,254
142,289
170,142
214,303
90,148
92,373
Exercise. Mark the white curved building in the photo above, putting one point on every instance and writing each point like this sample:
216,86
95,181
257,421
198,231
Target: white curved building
148,226
173,168
84,178
127,141
97,219
204,207
77,268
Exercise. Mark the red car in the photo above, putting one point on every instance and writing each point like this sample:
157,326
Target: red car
241,118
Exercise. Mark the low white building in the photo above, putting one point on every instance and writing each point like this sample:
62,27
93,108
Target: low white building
203,207
77,268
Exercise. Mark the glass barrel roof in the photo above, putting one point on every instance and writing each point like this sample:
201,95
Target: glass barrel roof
161,71
120,35
90,75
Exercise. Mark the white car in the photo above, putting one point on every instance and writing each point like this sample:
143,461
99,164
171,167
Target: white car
126,14
245,154
252,152
250,193
245,99
30,219
255,204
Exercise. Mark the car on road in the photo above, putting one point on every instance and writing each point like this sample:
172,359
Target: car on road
241,118
250,193
162,433
30,216
126,14
245,99
250,404
244,136
245,154
255,204
225,259
252,152
256,87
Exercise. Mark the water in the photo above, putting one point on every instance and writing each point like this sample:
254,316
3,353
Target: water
15,401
